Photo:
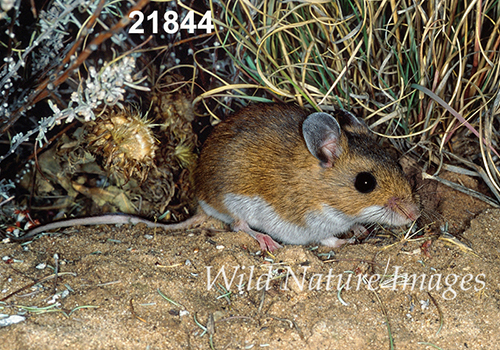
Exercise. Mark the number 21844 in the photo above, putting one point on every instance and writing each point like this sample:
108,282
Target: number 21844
171,23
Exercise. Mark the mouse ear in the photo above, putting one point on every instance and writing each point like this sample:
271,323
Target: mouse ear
347,119
322,133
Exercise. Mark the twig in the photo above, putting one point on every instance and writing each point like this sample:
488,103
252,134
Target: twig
441,318
37,282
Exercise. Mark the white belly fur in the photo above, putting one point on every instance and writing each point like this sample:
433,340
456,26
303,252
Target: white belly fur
260,216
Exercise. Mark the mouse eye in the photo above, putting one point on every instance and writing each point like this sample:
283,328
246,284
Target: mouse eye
365,182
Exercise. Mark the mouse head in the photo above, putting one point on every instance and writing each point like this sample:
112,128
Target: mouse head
363,181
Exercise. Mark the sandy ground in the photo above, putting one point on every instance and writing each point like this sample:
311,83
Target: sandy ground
112,281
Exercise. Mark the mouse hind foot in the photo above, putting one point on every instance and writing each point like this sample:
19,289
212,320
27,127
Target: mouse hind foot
265,241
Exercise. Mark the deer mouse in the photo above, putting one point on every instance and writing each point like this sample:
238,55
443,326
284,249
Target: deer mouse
278,173
281,174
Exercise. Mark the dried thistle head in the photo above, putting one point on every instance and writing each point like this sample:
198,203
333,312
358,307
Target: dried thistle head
126,142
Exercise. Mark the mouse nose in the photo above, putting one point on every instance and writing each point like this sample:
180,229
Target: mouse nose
407,209
413,213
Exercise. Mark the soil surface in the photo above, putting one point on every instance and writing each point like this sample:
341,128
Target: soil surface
113,283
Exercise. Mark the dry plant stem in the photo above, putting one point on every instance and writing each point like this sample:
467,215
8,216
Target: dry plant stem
361,261
225,319
291,323
60,76
396,25
462,189
490,118
477,44
441,318
450,239
133,311
492,54
37,282
169,46
455,114
384,311
33,8
489,182
262,299
56,271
